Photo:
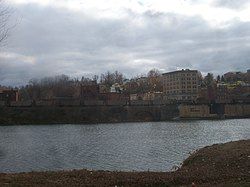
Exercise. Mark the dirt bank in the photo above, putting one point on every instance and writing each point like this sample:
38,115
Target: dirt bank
217,165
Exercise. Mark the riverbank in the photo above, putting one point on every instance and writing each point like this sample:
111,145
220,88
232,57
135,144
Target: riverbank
217,165
86,115
113,114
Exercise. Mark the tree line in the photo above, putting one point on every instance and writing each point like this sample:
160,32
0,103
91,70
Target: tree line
65,86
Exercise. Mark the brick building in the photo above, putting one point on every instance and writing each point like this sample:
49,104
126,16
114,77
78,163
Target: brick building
181,85
8,95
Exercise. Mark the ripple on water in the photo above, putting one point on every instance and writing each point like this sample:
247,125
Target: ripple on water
154,146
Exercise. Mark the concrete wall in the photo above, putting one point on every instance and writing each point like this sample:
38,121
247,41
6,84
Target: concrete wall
204,111
140,103
237,110
106,114
194,111
67,102
115,103
93,103
97,114
44,103
21,103
78,102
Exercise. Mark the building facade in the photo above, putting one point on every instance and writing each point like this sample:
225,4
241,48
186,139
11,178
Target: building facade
181,85
8,95
237,76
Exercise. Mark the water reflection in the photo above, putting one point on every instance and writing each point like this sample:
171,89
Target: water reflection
155,146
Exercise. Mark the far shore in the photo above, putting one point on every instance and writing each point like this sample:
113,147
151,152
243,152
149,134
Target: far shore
116,122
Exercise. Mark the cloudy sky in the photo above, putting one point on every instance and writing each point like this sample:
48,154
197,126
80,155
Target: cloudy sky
87,37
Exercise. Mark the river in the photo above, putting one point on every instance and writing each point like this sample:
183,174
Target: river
154,146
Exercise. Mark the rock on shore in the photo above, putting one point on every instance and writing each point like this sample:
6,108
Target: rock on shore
217,165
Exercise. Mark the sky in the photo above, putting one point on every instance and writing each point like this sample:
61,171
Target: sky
88,37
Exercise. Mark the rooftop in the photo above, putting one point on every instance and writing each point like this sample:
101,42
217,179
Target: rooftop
180,71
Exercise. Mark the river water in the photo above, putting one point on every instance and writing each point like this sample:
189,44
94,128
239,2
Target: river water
154,146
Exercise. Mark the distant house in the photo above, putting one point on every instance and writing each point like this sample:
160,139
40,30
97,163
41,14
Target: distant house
113,96
103,88
116,88
8,95
150,96
237,76
133,97
238,90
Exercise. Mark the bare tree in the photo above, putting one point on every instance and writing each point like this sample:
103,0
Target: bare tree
155,80
5,27
110,78
208,80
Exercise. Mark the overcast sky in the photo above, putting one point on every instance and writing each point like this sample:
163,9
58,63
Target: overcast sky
87,37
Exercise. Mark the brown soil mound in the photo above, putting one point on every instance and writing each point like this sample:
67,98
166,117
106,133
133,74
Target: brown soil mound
217,165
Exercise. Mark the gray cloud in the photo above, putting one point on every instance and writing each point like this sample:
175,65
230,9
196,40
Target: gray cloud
232,4
50,41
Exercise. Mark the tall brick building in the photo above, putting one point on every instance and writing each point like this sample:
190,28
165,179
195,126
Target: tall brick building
181,85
